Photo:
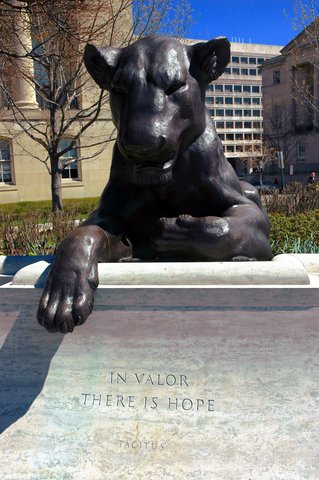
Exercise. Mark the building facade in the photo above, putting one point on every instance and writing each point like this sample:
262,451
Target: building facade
235,103
291,104
24,175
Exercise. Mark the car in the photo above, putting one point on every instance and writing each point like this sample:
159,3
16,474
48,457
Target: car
265,187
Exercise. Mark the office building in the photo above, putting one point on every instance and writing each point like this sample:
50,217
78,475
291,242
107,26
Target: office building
235,103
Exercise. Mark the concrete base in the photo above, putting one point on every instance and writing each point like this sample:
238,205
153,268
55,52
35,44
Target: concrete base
282,270
166,383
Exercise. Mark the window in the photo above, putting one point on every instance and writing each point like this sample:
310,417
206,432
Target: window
228,88
235,71
209,87
235,59
247,101
211,112
208,99
247,113
260,61
238,124
237,88
277,115
227,70
239,148
238,113
229,112
218,88
255,89
304,76
238,136
238,101
69,159
219,124
230,148
301,150
244,59
252,71
252,61
219,100
244,71
5,162
221,136
219,112
247,136
248,148
256,113
256,101
246,88
228,100
247,124
229,124
276,76
257,125
229,136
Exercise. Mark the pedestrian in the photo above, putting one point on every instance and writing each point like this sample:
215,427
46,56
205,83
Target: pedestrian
312,179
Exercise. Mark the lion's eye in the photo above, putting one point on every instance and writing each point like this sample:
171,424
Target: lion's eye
174,87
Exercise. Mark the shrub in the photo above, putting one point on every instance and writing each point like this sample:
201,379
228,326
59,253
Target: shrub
28,236
29,228
296,199
296,232
83,206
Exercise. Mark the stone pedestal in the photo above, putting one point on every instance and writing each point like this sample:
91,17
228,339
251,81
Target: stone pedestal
191,382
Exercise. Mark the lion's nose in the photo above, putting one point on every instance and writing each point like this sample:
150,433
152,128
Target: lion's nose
150,145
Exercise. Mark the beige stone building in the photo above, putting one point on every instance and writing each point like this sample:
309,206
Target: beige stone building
291,104
23,175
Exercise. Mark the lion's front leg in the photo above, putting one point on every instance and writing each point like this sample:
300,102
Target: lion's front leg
241,234
67,299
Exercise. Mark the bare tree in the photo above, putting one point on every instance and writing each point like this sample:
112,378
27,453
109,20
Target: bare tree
41,57
258,163
278,125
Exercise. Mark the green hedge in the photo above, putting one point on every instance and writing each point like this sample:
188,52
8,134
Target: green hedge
293,233
301,226
82,206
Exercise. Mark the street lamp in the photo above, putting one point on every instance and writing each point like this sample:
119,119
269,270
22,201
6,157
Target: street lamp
281,165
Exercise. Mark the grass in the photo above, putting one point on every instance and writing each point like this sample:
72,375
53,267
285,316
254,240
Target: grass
80,206
295,245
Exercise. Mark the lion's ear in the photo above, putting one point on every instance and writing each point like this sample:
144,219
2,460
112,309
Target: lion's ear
101,64
213,57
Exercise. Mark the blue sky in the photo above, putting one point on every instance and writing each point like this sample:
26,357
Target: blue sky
258,21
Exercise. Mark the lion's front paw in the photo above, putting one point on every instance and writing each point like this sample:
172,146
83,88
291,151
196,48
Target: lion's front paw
67,299
172,236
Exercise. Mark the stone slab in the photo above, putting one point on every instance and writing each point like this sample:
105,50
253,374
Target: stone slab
11,264
283,270
151,389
